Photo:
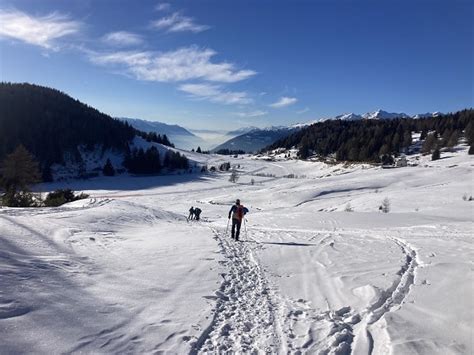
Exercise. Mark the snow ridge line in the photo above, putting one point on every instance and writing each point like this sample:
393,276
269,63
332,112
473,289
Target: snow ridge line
245,318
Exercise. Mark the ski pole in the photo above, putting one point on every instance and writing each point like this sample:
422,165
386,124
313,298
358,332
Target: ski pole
245,226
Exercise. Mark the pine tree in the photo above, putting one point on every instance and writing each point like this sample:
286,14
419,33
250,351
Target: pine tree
407,140
19,170
429,143
198,150
108,169
436,154
453,139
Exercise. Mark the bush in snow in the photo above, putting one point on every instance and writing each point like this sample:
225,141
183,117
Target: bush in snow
387,159
385,206
62,196
108,169
436,154
21,199
224,166
234,176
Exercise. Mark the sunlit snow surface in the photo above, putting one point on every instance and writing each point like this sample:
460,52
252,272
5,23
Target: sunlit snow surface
125,272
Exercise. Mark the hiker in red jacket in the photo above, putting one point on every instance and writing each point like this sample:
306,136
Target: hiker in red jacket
238,212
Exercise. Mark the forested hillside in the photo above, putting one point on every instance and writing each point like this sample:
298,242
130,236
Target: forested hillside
51,124
370,140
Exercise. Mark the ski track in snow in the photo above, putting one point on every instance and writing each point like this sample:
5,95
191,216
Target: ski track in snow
389,300
251,316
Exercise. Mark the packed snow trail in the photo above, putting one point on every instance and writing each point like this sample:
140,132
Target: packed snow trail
245,316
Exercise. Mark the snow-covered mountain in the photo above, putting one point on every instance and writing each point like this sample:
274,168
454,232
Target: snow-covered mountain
304,124
379,115
242,130
384,115
179,136
427,115
348,117
256,139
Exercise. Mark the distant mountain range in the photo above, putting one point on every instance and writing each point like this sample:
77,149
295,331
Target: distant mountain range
256,139
380,115
242,130
378,136
252,139
179,136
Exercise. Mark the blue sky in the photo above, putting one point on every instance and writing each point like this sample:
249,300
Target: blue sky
226,64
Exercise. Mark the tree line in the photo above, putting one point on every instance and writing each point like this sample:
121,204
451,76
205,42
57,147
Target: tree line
140,161
372,140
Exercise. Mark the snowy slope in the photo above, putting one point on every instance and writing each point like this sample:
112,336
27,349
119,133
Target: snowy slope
348,117
125,272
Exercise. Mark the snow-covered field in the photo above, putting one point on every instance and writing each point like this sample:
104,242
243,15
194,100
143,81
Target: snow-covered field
125,272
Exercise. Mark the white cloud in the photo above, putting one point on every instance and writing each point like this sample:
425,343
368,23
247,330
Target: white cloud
178,23
284,101
306,109
183,64
214,93
256,113
122,39
164,6
40,31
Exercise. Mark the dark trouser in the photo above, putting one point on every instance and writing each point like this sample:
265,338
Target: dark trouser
236,223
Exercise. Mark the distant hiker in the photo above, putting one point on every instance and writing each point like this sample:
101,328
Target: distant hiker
197,213
191,213
238,212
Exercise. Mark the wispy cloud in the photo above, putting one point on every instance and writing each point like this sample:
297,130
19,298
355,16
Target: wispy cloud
183,64
164,6
41,31
284,101
215,93
256,113
300,112
122,39
177,22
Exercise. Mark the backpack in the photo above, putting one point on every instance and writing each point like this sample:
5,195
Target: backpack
240,212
